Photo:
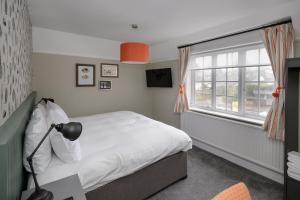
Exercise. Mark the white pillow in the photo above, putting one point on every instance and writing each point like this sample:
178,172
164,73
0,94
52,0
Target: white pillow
66,150
35,131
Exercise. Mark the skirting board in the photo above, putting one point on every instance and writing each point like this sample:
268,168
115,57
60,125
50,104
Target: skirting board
239,160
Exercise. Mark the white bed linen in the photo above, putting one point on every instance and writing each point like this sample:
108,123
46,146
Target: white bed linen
114,145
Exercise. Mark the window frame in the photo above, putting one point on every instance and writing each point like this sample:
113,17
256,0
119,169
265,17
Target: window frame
241,66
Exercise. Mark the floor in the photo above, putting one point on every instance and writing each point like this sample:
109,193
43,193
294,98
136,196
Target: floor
209,174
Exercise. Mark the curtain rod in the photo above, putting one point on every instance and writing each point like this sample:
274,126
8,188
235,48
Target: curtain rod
275,23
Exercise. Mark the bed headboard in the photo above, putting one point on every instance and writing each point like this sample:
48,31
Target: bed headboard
11,150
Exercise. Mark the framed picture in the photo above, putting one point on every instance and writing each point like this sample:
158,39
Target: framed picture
85,75
105,85
109,70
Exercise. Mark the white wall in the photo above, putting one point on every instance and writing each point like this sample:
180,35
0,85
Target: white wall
54,76
163,99
62,43
240,143
55,56
168,50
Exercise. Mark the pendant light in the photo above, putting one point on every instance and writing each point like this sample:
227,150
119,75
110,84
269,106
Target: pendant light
134,53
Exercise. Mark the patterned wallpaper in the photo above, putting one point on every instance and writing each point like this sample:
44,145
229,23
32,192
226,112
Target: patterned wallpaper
15,56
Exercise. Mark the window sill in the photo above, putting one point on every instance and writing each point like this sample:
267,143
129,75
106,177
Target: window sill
234,118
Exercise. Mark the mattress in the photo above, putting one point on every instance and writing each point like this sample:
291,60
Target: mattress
114,145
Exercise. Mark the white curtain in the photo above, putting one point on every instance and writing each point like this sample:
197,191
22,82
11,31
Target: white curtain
279,44
182,101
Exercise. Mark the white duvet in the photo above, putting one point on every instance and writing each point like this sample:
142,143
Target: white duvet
114,145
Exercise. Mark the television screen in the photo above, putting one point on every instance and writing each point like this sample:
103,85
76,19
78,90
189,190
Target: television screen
159,77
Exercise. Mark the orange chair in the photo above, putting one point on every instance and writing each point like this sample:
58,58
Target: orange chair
236,192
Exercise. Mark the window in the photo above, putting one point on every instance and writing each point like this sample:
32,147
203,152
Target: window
236,81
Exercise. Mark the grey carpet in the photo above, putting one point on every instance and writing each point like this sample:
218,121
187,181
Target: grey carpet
208,175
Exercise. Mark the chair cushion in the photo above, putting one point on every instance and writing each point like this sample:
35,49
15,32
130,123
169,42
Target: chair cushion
235,192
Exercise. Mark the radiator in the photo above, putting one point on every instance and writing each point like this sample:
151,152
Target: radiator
244,144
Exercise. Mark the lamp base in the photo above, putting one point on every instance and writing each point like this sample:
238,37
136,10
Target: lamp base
42,194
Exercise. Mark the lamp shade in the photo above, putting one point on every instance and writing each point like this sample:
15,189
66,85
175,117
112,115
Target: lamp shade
134,53
71,130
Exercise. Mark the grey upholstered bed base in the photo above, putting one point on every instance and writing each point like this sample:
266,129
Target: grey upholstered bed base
145,182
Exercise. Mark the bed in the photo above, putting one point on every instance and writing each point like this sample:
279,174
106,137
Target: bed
125,156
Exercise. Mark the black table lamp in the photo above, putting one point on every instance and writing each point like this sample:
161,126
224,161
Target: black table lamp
70,131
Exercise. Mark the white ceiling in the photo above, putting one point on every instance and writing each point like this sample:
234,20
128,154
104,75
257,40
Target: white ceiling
158,20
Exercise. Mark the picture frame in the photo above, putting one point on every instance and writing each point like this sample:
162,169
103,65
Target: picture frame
105,85
85,75
109,70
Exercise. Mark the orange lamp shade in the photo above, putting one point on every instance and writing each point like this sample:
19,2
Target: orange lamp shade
134,53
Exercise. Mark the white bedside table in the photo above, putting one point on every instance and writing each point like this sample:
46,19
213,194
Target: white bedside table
62,189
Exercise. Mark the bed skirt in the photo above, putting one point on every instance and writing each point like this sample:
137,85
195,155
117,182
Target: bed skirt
145,182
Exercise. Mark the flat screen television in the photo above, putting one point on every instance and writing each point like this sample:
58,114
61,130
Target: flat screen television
159,77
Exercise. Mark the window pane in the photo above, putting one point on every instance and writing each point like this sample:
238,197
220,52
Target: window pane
232,104
221,60
229,58
265,98
251,106
203,88
232,89
232,74
266,74
243,79
266,89
221,102
233,58
192,63
221,74
252,57
198,87
203,100
264,109
251,90
263,56
221,88
251,73
199,75
199,62
207,61
206,88
207,75
203,96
